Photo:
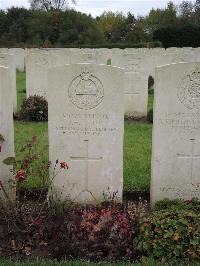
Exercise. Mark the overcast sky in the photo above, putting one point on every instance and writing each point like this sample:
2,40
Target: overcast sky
96,7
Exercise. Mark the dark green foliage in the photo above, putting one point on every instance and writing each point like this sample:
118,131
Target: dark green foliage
150,116
22,27
193,204
173,26
150,82
180,36
35,108
171,234
122,45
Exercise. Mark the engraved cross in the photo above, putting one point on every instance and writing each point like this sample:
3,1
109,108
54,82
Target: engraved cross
132,93
191,157
86,159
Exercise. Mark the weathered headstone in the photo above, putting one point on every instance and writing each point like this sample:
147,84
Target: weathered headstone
176,133
136,82
86,116
36,74
37,65
91,56
19,57
7,60
6,130
135,94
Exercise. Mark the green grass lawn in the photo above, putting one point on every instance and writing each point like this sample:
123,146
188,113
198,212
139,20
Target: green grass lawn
137,145
150,102
21,88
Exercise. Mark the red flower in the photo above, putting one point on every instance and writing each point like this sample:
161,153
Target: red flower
64,165
21,175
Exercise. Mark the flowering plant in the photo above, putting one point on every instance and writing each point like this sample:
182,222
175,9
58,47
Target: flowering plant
30,164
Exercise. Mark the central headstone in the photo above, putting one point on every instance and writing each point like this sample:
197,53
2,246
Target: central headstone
176,133
86,130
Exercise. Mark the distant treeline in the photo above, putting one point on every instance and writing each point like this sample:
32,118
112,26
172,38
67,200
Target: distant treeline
173,26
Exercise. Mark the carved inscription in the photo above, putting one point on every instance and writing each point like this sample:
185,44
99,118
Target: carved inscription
86,124
182,121
191,191
189,90
86,91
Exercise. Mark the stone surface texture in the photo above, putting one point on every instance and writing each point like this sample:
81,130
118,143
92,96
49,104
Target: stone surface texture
6,129
176,133
86,130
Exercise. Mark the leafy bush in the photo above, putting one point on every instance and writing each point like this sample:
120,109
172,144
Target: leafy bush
35,108
150,115
171,234
193,204
178,36
93,234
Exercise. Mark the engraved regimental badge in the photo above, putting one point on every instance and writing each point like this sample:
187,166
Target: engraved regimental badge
86,91
189,90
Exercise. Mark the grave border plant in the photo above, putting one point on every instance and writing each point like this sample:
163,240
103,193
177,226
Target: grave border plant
34,108
170,232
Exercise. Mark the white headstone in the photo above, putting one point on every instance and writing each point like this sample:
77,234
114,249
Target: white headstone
86,130
37,65
7,60
176,138
135,94
19,55
136,82
91,56
117,58
36,74
6,129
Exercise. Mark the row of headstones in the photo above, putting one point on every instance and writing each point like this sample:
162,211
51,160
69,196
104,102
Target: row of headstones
138,65
85,126
13,58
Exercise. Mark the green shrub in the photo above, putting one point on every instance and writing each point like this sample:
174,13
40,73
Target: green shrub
35,108
186,35
150,115
120,45
171,234
193,204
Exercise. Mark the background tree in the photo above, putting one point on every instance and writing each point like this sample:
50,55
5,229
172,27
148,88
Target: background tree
159,18
60,26
113,25
49,5
186,12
